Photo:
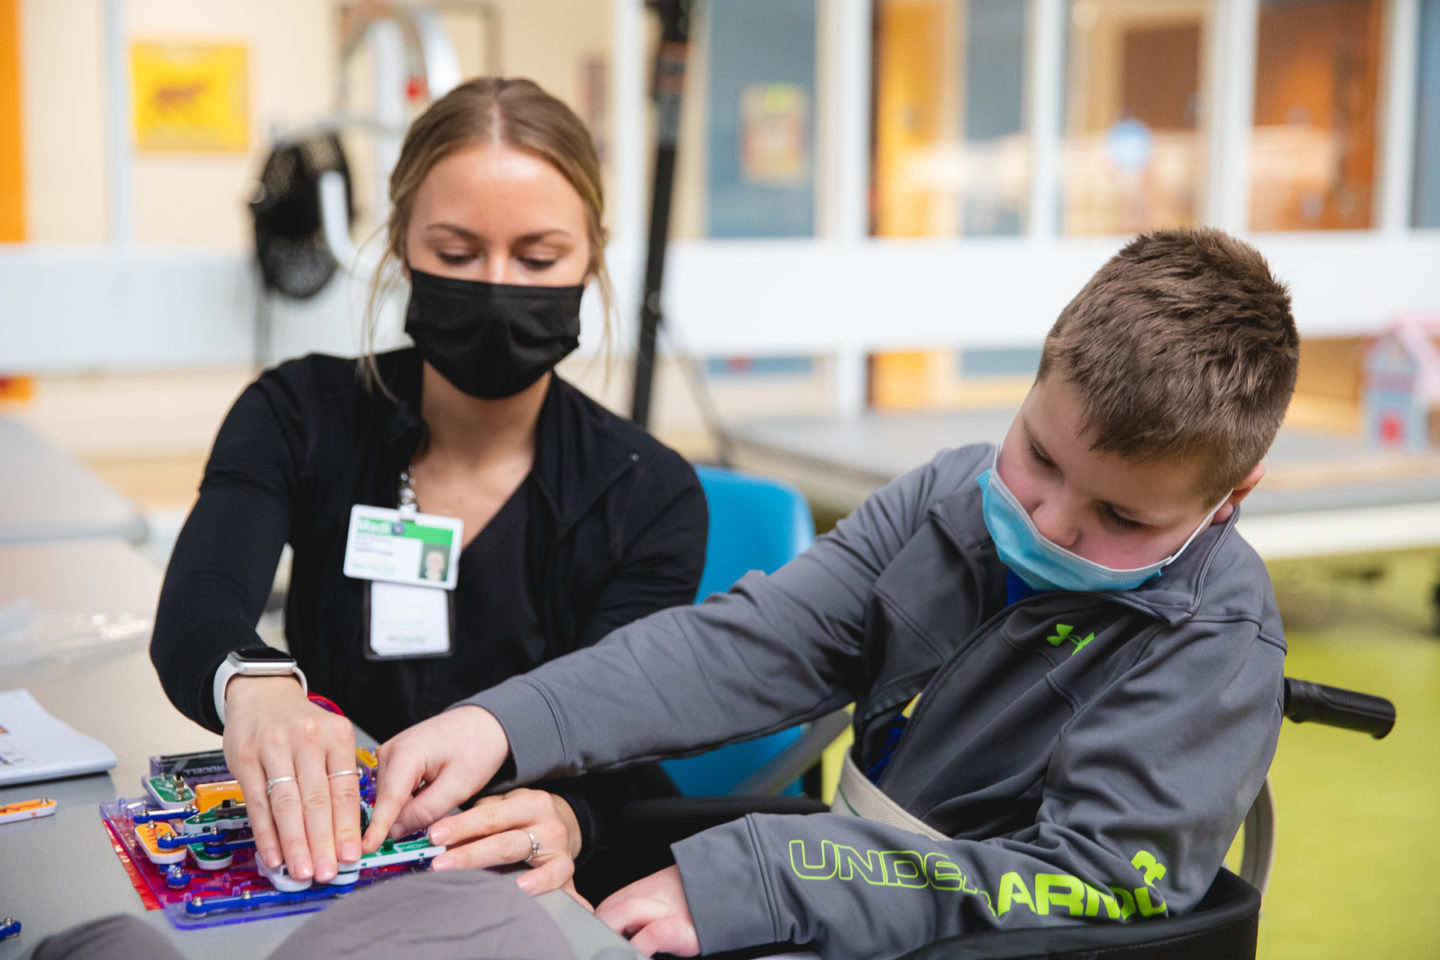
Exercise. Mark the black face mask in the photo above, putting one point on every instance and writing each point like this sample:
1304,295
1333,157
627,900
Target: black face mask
491,340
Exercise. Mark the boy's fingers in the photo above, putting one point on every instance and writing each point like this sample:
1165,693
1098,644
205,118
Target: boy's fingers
628,914
398,778
670,935
427,806
645,941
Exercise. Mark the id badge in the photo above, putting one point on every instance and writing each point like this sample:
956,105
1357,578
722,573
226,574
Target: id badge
415,549
412,561
408,621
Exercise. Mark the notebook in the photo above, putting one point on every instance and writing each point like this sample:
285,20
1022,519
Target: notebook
36,746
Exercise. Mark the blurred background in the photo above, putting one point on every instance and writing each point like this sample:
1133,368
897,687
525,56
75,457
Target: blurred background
879,207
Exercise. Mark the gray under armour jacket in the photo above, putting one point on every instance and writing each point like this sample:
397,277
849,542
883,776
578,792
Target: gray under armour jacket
1091,755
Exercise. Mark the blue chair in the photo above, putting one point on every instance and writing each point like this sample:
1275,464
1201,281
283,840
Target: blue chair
755,524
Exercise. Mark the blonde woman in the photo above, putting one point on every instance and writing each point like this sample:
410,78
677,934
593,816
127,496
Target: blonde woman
572,521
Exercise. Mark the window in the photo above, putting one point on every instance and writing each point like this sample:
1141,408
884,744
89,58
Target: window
951,157
1317,78
1133,152
746,158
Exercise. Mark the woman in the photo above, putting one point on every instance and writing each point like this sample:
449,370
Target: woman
571,521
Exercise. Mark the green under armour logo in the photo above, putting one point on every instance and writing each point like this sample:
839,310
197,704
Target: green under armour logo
1145,862
1063,632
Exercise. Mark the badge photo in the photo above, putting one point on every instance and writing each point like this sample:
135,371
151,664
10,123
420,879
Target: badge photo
420,549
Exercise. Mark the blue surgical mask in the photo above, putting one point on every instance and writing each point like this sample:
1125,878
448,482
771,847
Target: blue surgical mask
1042,563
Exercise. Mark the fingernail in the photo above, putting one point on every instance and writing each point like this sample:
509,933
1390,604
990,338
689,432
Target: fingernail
324,871
301,871
441,863
396,832
350,851
525,882
438,835
272,858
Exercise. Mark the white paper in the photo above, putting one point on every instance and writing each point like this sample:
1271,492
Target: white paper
409,621
36,746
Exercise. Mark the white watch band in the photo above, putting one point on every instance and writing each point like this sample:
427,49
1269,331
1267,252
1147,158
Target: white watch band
227,671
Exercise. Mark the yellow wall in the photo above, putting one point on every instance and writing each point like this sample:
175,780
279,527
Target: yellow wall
199,200
61,54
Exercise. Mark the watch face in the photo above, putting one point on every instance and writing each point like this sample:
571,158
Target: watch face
259,654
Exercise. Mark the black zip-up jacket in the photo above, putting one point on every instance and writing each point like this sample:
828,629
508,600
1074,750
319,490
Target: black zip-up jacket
610,525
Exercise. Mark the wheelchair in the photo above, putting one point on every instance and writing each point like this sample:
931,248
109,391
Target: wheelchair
1226,923
1223,926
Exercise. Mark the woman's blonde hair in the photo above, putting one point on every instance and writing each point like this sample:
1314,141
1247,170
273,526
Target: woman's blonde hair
495,110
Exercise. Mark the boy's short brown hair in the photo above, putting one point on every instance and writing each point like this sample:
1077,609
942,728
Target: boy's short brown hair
1183,347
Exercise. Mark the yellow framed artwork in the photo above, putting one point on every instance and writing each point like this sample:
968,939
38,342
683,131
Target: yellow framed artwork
190,97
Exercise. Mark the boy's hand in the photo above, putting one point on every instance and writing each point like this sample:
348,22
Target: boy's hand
428,769
653,914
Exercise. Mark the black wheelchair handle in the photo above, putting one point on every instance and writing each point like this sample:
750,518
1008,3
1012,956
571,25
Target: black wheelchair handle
1332,706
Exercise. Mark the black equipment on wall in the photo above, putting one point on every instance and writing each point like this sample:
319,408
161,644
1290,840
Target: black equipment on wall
289,239
668,89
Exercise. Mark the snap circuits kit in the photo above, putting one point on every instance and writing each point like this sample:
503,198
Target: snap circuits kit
188,849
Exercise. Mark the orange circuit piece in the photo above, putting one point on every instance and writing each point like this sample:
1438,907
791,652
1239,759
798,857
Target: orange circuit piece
208,795
26,810
149,835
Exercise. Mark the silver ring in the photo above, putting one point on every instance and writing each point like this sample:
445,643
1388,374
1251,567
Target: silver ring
534,846
275,781
345,773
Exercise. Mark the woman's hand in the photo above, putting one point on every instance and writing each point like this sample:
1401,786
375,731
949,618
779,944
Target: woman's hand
523,826
429,769
653,914
310,818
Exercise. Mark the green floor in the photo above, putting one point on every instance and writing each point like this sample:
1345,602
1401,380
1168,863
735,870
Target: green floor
1357,863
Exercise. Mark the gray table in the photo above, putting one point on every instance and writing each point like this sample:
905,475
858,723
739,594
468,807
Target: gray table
48,495
60,871
1324,494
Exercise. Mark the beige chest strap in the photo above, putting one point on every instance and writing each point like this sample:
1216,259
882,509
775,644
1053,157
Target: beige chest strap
858,797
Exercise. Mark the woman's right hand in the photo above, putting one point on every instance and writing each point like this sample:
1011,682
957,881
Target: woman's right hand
272,732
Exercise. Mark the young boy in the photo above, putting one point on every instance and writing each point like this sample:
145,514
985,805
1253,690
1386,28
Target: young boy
1065,661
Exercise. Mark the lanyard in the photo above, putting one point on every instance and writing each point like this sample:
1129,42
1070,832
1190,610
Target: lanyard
409,506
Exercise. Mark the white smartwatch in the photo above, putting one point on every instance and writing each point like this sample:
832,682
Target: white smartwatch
257,660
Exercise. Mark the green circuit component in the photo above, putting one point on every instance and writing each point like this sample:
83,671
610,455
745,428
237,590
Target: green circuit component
171,792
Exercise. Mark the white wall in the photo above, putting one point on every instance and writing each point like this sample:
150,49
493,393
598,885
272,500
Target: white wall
90,308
